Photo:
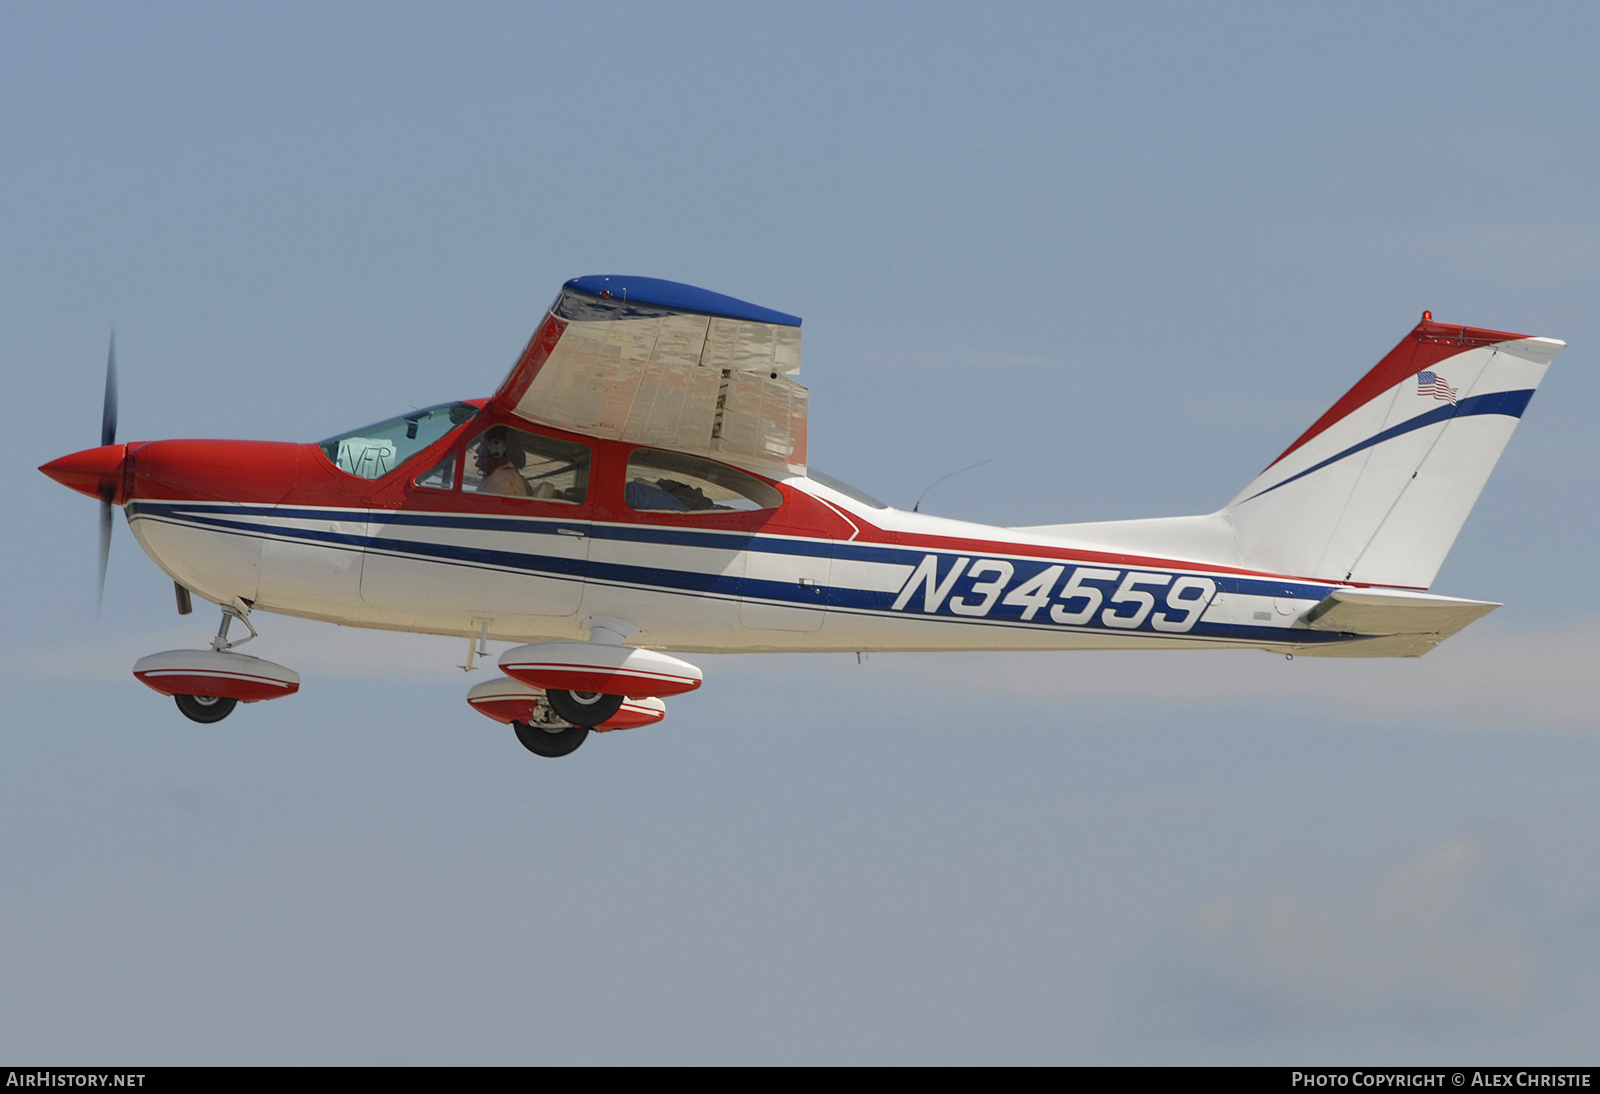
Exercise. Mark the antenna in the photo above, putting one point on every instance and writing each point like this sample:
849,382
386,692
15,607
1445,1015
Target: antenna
952,475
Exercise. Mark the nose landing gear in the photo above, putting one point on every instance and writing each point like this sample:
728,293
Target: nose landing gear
208,684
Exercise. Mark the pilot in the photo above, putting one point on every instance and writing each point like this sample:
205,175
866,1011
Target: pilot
499,462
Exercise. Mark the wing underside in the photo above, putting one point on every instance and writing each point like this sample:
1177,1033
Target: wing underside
666,365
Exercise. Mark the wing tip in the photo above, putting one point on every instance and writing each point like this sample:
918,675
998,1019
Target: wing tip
616,291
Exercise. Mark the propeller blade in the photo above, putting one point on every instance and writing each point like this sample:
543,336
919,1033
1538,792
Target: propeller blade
105,549
108,413
108,435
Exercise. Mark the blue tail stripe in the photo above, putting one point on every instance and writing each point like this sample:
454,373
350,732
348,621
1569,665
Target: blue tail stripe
1509,403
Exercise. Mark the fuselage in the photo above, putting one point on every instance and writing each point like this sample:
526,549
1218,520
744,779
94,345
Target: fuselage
283,528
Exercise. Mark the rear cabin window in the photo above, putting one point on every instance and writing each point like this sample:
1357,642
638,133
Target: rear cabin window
845,488
517,464
672,482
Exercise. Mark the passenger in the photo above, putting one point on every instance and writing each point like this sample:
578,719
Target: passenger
647,497
690,497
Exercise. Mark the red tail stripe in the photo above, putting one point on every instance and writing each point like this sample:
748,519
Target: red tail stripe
1424,347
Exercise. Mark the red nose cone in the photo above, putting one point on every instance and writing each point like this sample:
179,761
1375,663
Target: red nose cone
94,471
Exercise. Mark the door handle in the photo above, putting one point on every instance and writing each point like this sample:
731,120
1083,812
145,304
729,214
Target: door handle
570,532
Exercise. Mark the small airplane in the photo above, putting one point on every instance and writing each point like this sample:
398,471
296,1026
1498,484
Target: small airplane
639,484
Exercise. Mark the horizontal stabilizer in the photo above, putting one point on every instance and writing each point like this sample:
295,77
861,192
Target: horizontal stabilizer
1399,623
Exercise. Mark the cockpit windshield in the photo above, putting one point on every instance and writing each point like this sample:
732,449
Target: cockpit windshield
376,450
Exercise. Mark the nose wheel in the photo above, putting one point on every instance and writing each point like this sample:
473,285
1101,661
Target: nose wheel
551,741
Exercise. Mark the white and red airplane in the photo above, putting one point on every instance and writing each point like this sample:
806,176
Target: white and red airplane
639,484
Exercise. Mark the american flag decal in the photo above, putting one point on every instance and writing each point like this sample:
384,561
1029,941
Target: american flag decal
1431,383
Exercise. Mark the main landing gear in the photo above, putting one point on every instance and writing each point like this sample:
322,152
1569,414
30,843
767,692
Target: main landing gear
205,708
550,740
583,708
559,724
555,693
544,732
576,713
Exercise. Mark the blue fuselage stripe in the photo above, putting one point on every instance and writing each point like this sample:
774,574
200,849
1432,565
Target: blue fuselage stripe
237,520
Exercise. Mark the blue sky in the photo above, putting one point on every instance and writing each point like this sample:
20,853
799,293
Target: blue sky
1127,254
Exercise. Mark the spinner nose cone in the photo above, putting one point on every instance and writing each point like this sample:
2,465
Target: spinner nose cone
97,472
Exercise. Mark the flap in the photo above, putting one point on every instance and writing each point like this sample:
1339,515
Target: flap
668,365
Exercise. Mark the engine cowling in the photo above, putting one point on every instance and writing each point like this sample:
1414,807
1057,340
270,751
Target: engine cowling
215,673
506,700
598,667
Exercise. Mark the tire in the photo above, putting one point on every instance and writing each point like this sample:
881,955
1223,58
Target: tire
583,708
205,708
550,742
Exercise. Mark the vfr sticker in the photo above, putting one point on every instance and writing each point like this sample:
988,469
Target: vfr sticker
1073,596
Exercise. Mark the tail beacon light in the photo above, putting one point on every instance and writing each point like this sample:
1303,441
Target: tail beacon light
596,667
215,674
506,701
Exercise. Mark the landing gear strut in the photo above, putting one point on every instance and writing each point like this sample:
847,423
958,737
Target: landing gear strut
230,612
206,709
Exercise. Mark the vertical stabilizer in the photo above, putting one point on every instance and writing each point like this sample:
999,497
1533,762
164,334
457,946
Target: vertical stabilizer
1376,491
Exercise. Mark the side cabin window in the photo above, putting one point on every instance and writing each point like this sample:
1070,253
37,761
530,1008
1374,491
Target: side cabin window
376,450
672,482
441,476
514,463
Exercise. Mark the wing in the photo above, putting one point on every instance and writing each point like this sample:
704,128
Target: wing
667,365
